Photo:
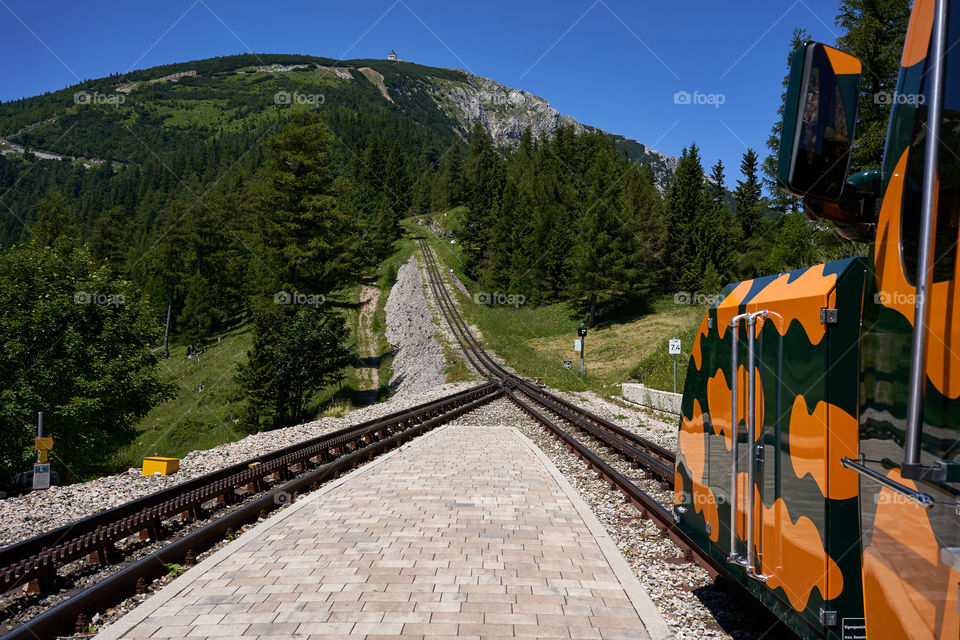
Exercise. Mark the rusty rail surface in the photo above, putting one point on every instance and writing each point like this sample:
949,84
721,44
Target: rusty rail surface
657,460
71,615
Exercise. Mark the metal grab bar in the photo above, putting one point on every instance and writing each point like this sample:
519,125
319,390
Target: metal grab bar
734,437
751,440
928,216
749,560
923,499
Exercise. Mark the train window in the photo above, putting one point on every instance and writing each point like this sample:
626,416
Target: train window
948,202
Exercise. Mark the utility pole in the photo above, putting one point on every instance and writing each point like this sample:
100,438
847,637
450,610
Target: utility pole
582,333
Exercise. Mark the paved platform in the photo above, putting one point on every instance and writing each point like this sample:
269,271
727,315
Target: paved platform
467,532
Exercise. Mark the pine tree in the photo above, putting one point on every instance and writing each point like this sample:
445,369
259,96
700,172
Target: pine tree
108,237
368,170
749,195
198,316
257,376
875,33
642,209
715,230
794,247
308,229
718,187
484,177
296,352
711,281
165,260
448,187
604,261
369,195
508,256
686,204
53,218
397,182
311,354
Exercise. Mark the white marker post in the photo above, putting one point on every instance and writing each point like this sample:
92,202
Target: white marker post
675,351
580,344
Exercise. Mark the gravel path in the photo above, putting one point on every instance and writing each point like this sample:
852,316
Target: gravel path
419,362
367,369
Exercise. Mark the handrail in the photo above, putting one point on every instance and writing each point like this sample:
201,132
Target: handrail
925,500
734,436
751,441
928,216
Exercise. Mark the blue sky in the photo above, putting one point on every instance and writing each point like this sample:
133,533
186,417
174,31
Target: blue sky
614,64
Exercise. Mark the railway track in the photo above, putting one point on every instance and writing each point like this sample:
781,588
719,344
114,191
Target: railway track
538,403
249,490
656,461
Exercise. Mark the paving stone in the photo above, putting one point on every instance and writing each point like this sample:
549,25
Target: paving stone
463,533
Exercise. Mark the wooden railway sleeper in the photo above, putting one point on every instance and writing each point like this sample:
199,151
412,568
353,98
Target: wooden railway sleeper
103,556
43,580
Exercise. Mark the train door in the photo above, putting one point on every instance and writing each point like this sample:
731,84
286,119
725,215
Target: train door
797,335
789,455
910,519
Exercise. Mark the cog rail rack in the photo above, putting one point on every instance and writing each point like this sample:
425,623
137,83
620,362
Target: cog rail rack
262,483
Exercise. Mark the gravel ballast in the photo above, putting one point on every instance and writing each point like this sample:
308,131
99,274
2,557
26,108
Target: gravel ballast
31,514
418,378
418,363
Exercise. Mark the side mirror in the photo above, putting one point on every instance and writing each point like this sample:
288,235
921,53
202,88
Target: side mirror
855,215
818,122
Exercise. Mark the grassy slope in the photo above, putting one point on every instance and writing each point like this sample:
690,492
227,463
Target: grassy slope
194,420
536,340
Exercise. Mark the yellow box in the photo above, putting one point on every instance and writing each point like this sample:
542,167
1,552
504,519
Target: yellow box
44,444
157,466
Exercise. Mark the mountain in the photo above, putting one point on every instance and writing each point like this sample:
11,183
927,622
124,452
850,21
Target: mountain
133,117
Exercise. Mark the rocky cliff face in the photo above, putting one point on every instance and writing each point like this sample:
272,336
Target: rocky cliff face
504,112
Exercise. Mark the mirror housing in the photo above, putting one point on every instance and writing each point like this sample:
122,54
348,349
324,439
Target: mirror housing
820,113
855,215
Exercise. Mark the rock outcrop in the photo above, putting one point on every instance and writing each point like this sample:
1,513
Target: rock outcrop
504,112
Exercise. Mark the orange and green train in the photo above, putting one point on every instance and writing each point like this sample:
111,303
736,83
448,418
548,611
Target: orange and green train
820,435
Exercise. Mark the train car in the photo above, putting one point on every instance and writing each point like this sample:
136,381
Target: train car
819,441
